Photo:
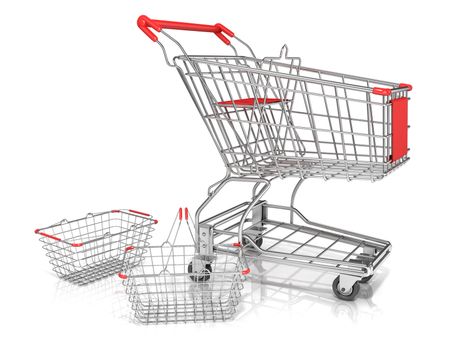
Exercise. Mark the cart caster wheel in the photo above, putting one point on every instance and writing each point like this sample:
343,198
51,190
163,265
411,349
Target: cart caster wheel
366,279
345,295
201,276
258,241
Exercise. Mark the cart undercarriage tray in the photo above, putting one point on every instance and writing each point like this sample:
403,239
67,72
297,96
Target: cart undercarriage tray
271,233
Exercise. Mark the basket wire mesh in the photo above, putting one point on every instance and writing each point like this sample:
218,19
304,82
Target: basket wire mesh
90,248
173,284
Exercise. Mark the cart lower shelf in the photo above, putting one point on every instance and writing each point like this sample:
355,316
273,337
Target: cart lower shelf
282,234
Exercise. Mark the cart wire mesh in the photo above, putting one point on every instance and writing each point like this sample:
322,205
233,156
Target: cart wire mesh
173,284
93,247
273,117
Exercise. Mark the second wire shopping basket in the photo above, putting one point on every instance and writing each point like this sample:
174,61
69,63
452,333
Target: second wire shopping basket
274,118
93,247
174,284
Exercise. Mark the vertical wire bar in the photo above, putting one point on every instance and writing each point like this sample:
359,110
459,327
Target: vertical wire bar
341,132
350,121
331,130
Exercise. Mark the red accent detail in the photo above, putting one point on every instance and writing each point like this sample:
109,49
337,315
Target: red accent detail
399,128
381,91
186,214
249,102
36,230
139,212
122,276
47,235
246,272
115,211
76,244
180,214
402,85
129,248
156,222
238,244
144,23
225,29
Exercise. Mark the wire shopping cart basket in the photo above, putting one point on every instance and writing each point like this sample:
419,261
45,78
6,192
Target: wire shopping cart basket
93,247
274,118
174,284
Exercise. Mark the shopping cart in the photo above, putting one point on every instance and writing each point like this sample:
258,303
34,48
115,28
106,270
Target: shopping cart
90,248
274,118
174,284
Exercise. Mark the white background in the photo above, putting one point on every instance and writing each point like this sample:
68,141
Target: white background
92,119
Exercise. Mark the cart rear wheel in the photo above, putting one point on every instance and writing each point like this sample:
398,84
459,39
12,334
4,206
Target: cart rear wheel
258,241
200,276
366,279
349,295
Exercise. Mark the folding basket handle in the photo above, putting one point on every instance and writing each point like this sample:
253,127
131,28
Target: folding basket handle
145,24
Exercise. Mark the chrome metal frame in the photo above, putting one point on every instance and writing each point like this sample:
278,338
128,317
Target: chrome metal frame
273,118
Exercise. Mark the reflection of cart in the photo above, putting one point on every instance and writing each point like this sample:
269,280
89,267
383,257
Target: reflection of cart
163,290
88,249
273,118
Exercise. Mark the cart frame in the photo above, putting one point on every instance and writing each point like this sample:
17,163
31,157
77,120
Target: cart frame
260,138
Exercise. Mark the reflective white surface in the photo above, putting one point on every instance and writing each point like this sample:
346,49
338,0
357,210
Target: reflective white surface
92,119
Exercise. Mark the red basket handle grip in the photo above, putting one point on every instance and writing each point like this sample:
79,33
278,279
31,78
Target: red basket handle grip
146,24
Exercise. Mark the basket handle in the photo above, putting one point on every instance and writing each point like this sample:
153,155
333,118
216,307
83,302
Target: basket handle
146,24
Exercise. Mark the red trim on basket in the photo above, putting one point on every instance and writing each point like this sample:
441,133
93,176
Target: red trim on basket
76,244
115,211
238,244
180,214
129,248
246,272
249,102
403,85
122,276
186,214
138,212
156,221
381,91
47,235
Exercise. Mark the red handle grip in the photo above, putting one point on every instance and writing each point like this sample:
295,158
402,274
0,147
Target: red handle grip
47,235
145,23
138,212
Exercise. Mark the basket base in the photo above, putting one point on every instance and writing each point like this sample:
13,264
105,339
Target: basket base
94,272
185,312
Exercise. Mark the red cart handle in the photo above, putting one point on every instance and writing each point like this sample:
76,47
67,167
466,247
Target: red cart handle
145,23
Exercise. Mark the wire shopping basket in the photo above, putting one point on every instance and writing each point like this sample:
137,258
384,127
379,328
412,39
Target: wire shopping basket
90,248
175,284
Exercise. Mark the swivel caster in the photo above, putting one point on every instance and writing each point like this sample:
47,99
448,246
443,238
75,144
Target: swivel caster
202,275
344,291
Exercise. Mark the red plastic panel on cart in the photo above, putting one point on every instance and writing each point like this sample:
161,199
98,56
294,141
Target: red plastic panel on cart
399,127
249,102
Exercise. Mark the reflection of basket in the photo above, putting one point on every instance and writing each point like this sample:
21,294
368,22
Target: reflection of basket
93,247
174,284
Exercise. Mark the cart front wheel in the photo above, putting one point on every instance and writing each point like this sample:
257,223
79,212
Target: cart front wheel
347,295
258,241
200,276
